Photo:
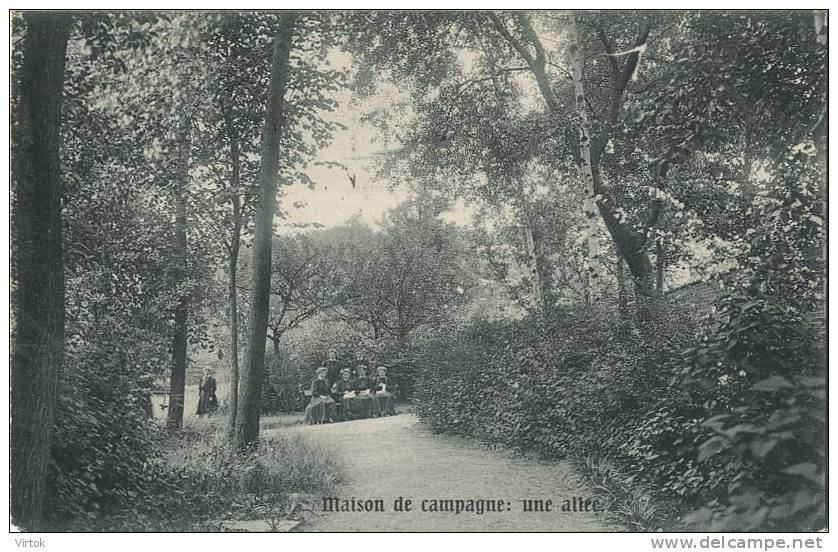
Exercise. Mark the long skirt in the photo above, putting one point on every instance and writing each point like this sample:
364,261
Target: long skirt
320,410
207,403
385,402
340,410
361,406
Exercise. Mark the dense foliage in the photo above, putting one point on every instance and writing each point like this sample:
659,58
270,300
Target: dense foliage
741,437
563,172
759,380
195,483
592,388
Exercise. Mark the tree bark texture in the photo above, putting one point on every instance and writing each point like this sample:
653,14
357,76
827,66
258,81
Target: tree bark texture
234,331
275,341
174,418
252,372
532,265
660,266
233,260
38,342
543,268
622,295
590,243
629,242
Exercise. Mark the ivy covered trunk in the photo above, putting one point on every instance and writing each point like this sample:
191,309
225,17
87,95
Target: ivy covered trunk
252,372
38,345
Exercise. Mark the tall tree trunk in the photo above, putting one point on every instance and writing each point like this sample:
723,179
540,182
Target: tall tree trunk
629,242
591,249
532,265
232,288
660,265
275,339
179,339
247,421
38,347
233,323
542,268
533,247
531,241
622,295
820,132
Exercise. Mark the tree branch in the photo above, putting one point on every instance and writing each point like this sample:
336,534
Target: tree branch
461,86
621,80
519,47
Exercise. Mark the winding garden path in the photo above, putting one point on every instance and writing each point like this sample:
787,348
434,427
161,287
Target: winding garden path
395,456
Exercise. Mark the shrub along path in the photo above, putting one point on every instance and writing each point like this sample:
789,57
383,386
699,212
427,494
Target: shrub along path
395,456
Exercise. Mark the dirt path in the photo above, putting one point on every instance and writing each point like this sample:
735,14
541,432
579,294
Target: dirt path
395,456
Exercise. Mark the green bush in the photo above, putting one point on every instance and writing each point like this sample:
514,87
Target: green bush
732,419
593,386
280,464
507,382
102,441
760,376
196,482
284,386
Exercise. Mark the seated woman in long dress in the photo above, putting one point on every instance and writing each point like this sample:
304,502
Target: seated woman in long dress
381,386
341,392
321,409
364,404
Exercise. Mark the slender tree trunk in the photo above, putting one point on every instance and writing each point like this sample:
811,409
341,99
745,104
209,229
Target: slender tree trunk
532,246
629,242
820,132
591,245
542,268
631,246
622,295
233,322
660,265
179,339
232,289
275,339
38,346
247,421
532,265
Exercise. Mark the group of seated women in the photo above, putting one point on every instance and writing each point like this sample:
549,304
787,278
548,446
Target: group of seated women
348,397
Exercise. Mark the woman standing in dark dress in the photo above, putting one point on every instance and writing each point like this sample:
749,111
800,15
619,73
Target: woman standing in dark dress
207,401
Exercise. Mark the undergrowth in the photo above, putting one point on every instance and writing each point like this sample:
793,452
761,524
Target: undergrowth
631,504
197,481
